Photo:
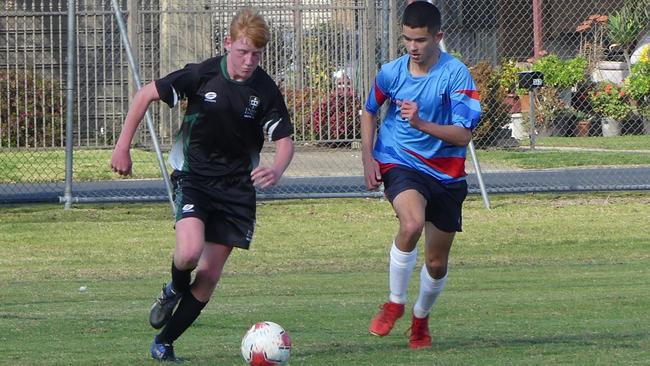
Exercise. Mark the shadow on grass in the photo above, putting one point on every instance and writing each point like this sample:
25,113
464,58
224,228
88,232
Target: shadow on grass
21,317
585,339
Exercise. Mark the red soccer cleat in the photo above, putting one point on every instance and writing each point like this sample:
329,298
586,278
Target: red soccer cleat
383,322
420,336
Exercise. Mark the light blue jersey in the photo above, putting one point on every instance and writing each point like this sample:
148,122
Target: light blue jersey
446,95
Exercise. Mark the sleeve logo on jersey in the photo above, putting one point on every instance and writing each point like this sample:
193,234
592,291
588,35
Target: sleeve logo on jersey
210,97
251,109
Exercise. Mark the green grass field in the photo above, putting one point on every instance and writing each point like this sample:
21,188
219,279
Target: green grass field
537,280
626,142
29,166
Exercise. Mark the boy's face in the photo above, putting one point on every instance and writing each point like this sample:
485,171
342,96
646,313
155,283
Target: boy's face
243,57
421,45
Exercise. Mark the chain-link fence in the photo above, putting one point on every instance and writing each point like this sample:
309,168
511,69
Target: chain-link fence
323,55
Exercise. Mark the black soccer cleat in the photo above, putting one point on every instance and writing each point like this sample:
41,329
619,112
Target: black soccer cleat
163,352
163,307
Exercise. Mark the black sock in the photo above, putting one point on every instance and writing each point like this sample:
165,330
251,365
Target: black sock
181,279
186,313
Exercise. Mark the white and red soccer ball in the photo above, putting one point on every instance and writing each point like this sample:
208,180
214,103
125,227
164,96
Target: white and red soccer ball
266,344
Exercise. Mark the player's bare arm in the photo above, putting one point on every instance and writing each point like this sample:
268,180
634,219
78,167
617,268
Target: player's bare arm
121,159
454,135
371,172
264,177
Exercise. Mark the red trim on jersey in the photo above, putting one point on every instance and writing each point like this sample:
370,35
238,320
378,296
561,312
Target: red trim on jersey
380,97
452,166
385,167
470,93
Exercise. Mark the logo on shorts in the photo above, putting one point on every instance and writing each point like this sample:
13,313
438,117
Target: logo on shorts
210,97
188,208
249,233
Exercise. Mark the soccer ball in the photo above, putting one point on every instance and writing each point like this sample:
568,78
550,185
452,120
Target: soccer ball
266,344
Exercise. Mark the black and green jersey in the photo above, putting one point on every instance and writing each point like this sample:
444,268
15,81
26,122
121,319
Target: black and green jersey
226,121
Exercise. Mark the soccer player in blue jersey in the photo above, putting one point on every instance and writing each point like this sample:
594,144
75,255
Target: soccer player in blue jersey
233,105
419,155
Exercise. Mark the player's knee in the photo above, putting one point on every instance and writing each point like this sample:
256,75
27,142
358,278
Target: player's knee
208,279
412,227
436,268
185,262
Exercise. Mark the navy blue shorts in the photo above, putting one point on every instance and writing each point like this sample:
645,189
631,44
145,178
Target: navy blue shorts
226,205
444,201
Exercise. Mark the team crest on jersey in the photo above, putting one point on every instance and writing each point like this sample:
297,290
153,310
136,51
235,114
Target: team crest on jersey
251,109
210,97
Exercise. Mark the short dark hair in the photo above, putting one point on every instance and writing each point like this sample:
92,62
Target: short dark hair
419,14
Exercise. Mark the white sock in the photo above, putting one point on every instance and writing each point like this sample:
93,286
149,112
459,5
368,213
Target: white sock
400,270
430,288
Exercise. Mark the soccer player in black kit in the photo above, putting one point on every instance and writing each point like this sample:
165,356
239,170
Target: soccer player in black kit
233,105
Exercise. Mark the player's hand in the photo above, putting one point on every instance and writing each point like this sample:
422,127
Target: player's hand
264,177
121,161
371,173
409,111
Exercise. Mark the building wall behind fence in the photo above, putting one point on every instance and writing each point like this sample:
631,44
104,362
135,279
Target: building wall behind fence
323,55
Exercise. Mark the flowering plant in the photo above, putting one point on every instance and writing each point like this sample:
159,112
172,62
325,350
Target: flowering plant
645,54
610,100
638,83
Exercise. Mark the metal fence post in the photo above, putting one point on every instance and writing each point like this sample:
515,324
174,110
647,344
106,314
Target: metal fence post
385,31
136,77
472,151
70,80
532,118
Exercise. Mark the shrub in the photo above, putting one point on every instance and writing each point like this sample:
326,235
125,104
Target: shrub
494,112
31,110
337,116
638,83
509,77
561,74
551,111
299,103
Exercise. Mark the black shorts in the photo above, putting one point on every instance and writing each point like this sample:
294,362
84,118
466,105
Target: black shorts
226,205
444,201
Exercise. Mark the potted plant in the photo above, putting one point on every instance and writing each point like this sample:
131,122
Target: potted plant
583,126
624,27
593,31
612,103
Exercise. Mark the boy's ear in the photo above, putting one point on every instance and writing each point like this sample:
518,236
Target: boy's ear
227,43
